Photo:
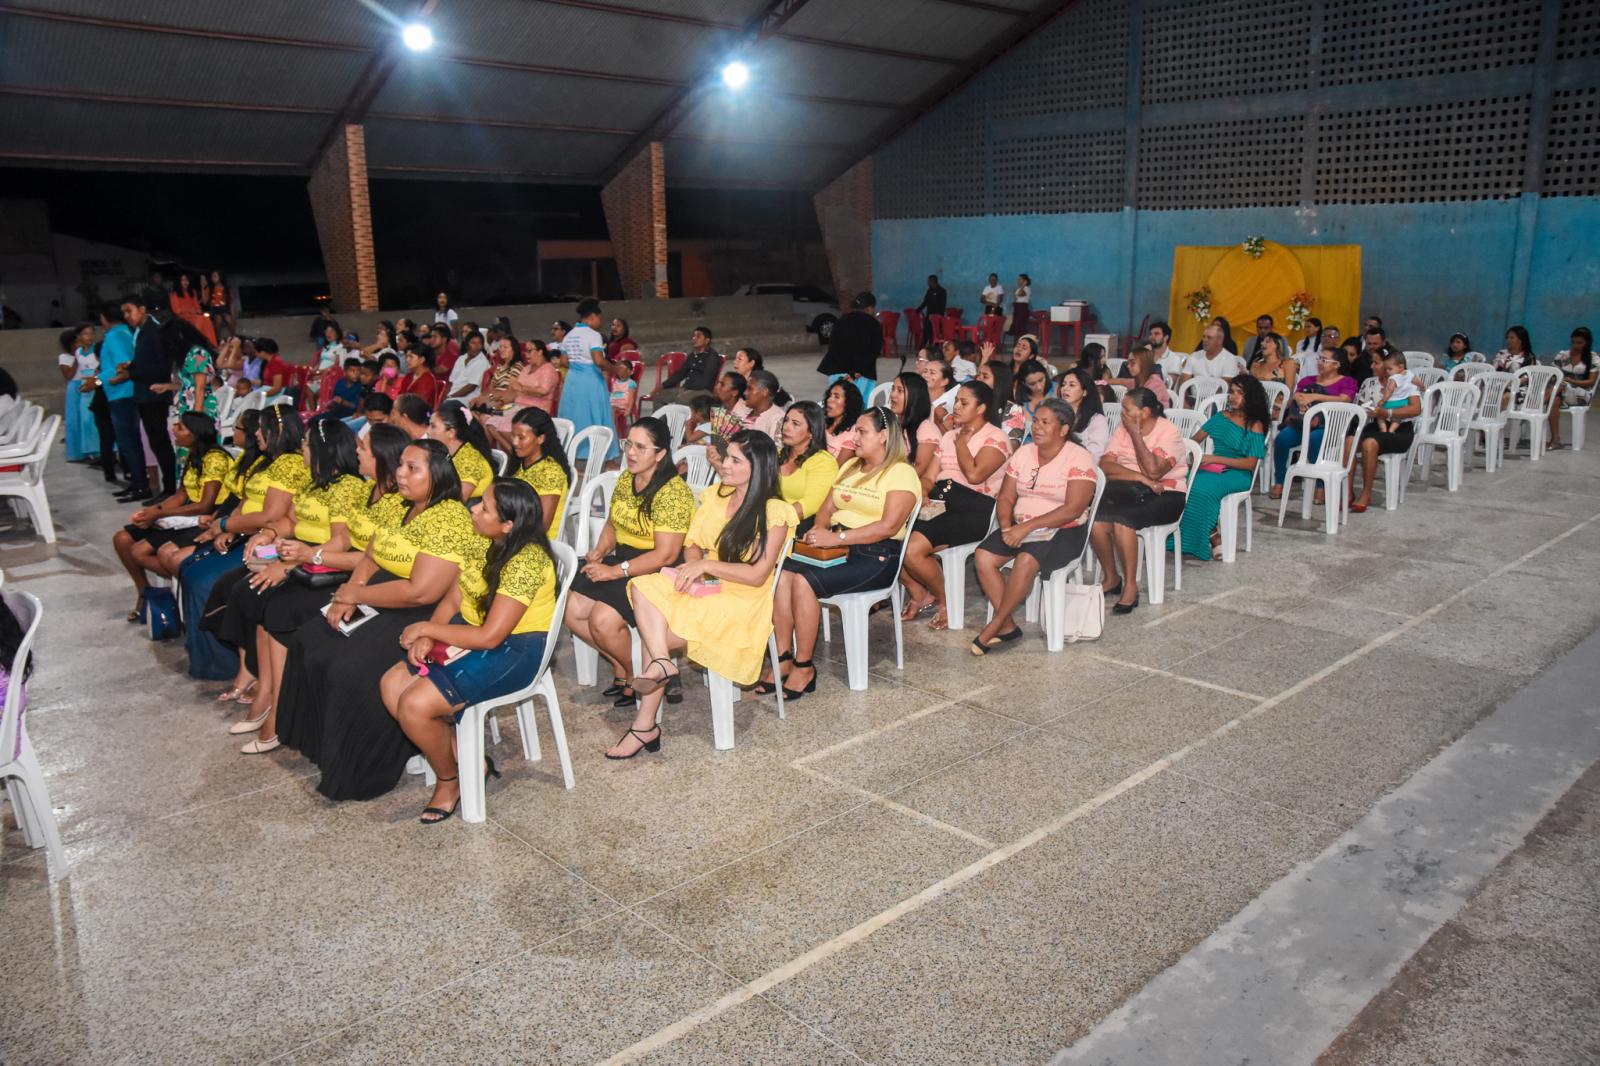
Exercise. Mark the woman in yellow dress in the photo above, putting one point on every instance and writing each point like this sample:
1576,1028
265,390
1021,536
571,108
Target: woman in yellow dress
457,428
541,462
718,604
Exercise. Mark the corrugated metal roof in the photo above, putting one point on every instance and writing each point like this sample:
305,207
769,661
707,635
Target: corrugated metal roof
551,87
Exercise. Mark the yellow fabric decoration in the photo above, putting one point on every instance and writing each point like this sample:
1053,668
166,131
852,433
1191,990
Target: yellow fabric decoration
1243,288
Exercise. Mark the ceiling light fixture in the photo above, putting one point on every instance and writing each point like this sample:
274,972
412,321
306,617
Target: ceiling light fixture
417,37
735,75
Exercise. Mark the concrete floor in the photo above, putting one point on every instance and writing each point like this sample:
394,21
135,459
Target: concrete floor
974,861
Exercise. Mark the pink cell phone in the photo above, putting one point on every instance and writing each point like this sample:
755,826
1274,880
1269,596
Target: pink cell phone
266,551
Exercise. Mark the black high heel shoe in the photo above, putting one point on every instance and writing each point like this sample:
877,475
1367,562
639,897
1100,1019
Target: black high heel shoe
617,687
767,688
1125,608
652,746
644,684
440,814
811,686
489,770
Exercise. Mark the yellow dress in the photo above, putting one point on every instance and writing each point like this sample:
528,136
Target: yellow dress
472,468
443,531
287,473
362,519
529,577
216,465
726,632
314,508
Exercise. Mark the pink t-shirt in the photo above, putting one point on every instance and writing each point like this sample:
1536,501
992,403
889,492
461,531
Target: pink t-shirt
546,376
986,437
1158,386
1164,440
1042,487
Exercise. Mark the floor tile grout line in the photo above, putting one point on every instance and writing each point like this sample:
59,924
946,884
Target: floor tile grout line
888,727
1179,677
1236,794
862,930
435,990
900,808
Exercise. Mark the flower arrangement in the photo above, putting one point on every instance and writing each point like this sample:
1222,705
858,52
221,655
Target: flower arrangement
1300,305
1255,246
1199,303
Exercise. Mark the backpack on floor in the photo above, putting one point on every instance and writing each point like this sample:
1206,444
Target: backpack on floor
163,607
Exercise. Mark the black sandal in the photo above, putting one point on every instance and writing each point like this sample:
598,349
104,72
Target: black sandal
618,686
644,684
811,686
652,746
443,815
767,688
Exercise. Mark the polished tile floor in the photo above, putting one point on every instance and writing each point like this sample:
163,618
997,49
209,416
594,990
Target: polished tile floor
973,861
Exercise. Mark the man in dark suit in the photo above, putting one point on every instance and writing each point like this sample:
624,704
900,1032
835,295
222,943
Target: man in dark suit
933,303
151,367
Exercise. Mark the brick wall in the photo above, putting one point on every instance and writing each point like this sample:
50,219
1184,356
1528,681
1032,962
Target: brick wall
844,210
635,203
338,190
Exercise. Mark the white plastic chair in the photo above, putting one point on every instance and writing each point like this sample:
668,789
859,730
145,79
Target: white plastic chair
469,730
598,440
1490,420
1330,467
1468,371
879,396
18,436
19,766
854,609
1477,357
697,465
1534,399
1447,412
1419,360
1153,539
953,561
564,430
1279,397
1120,392
1194,390
1210,405
1188,422
501,461
1427,375
676,416
224,395
1115,367
1396,467
27,483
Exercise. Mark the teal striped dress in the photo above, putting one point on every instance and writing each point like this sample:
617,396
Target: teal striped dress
1205,499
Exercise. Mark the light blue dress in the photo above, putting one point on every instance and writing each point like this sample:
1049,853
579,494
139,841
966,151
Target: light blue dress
585,400
83,439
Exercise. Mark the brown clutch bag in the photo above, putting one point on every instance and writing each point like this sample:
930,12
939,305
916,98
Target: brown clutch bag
821,554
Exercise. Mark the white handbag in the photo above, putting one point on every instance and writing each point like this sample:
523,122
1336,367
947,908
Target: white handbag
1085,613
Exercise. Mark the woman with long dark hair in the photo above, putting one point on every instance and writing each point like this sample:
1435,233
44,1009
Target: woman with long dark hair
284,587
841,407
477,647
202,488
1145,480
1032,385
651,509
541,462
912,405
718,603
184,301
972,459
1580,370
329,707
1455,352
193,357
455,426
1238,437
1090,428
1517,353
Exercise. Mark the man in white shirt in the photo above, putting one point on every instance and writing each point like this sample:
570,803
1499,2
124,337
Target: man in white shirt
1212,361
1169,361
466,377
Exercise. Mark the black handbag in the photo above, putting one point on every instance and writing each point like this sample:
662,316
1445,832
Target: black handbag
319,579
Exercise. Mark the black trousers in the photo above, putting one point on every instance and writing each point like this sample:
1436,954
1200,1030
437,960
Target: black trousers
153,416
101,410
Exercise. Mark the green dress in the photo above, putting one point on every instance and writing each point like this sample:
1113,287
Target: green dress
196,362
1205,499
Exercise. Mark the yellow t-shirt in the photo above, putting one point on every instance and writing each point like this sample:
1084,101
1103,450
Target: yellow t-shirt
443,531
670,512
472,467
217,465
529,577
859,501
547,479
315,509
364,519
287,473
809,484
711,518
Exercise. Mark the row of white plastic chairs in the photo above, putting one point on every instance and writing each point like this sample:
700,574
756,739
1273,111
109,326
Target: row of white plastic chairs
26,437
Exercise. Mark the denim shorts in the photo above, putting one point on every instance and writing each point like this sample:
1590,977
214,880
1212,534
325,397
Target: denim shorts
486,675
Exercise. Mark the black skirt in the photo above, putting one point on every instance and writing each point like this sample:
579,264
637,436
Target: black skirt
614,594
1132,504
1051,555
955,527
1392,442
329,708
157,538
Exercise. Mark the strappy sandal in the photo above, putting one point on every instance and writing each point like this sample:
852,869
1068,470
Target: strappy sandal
643,684
940,621
139,612
440,814
232,694
997,643
792,694
767,688
652,745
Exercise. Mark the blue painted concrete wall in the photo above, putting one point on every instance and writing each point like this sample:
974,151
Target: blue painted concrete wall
1428,268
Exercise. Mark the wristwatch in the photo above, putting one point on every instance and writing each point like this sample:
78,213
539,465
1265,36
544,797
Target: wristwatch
624,568
316,558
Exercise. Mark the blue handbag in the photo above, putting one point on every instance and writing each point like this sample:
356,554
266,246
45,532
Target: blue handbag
163,607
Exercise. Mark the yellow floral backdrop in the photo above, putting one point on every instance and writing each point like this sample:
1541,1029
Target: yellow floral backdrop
1242,287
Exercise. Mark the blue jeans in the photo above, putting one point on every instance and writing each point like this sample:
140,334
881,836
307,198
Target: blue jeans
1286,439
125,423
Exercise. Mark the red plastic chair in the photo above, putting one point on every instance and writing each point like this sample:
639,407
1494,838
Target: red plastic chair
890,321
938,322
668,365
952,326
441,392
991,330
955,313
1039,326
913,328
325,383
